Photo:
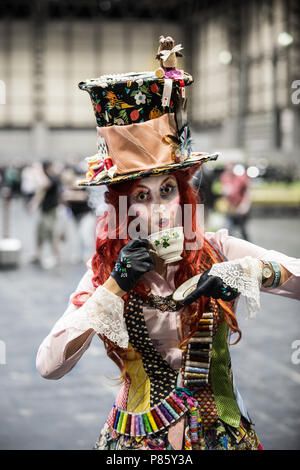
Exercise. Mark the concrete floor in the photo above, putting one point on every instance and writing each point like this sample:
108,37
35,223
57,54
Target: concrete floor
69,413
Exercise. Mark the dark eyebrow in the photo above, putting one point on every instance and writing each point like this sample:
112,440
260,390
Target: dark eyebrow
161,182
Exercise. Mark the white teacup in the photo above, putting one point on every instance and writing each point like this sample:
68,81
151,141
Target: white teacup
168,244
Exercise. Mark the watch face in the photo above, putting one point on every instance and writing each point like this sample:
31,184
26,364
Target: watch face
267,272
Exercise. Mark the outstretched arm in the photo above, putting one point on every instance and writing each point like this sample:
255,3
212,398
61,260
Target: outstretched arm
235,248
285,275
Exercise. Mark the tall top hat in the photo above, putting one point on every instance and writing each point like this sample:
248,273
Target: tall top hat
142,124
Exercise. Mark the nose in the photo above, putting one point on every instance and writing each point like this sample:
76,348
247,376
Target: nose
159,209
159,212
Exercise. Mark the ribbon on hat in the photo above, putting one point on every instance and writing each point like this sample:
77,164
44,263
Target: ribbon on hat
167,92
165,54
100,165
105,170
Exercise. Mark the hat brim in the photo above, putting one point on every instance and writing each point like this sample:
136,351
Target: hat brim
195,158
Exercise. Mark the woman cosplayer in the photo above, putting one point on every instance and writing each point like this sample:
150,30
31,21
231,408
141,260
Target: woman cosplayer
169,341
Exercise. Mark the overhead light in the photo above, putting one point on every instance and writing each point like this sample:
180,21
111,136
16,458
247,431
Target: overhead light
285,39
225,57
238,169
253,172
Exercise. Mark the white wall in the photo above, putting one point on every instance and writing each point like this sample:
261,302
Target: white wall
72,51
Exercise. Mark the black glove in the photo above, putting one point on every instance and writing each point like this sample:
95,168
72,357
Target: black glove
134,260
211,286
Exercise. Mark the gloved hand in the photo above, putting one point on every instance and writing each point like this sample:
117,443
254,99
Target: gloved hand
211,286
134,260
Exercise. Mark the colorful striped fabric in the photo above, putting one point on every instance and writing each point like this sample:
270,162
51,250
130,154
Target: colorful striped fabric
152,421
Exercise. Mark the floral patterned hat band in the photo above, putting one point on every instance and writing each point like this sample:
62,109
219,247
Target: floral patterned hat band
142,122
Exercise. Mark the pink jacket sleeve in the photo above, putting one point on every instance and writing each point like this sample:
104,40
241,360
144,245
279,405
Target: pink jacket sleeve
50,361
234,248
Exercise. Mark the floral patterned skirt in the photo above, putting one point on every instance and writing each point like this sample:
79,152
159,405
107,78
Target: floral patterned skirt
220,436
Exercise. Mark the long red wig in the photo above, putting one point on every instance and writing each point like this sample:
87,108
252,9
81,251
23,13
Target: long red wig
192,263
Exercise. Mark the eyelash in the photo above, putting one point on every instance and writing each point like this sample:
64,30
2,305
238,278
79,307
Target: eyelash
173,188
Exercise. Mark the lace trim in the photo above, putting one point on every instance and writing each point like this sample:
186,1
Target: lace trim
245,275
103,312
106,316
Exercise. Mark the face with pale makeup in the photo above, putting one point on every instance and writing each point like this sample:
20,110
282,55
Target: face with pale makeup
156,200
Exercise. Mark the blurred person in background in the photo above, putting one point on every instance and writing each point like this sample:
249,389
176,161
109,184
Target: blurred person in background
30,181
47,199
12,179
76,201
236,190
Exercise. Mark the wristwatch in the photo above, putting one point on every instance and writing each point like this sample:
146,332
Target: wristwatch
267,271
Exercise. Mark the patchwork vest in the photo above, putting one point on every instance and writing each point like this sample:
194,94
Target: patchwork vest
157,395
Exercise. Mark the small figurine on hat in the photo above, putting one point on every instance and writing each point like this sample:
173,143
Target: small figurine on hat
142,123
167,55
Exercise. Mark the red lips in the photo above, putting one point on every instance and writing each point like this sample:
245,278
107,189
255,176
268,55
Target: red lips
163,222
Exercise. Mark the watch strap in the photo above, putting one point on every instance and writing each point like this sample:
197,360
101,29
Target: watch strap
277,275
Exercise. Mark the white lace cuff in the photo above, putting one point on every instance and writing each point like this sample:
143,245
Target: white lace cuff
103,312
106,316
245,275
